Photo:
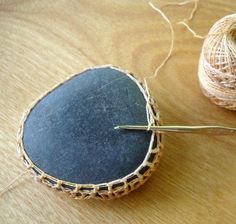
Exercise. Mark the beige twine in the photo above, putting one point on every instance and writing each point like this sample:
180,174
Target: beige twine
185,22
217,64
9,185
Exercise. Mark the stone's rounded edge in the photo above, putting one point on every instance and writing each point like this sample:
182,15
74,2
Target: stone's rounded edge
110,190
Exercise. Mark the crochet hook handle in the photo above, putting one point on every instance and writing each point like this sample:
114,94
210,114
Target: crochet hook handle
219,130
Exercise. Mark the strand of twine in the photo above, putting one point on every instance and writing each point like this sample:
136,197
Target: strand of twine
168,56
9,185
162,64
185,21
150,119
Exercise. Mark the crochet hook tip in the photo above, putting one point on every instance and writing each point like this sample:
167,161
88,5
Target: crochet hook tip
130,127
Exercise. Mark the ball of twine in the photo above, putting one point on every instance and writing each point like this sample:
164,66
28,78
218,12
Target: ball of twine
217,65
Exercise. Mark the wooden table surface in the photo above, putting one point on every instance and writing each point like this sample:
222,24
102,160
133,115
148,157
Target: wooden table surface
43,42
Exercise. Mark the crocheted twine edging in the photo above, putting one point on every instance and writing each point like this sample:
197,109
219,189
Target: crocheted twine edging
110,190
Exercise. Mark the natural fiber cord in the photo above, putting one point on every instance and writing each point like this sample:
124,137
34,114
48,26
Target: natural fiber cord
217,65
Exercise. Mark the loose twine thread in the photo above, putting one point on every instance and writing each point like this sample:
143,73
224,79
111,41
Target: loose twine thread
164,61
8,186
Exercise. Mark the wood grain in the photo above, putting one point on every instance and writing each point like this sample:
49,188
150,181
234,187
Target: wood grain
42,42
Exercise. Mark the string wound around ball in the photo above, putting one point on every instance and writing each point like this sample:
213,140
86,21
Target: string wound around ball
210,129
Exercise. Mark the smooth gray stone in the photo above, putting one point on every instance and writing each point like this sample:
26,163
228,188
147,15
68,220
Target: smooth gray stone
70,133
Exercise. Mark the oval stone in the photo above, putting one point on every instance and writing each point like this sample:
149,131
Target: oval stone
69,134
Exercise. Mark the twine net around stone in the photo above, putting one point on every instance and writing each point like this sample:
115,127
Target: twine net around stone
116,188
113,189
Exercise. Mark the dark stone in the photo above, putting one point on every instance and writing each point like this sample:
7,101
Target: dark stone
70,133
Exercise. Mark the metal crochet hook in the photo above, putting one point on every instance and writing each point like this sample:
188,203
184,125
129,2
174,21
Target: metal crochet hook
218,130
